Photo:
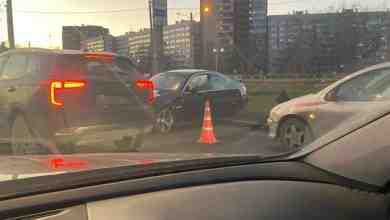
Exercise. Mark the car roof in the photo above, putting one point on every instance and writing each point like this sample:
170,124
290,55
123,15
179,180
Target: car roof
186,72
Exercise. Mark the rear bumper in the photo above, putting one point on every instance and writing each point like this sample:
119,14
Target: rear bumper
99,135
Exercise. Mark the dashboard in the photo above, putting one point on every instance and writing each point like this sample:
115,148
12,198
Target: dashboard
213,194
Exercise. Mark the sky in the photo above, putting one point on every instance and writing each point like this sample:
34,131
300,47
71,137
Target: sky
44,30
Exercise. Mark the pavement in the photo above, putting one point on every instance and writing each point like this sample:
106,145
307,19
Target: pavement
234,138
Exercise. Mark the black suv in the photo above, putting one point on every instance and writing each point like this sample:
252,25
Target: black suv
53,101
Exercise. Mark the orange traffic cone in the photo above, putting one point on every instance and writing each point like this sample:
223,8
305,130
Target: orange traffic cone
207,136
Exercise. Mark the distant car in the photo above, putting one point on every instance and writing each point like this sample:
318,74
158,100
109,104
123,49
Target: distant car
52,98
181,94
299,121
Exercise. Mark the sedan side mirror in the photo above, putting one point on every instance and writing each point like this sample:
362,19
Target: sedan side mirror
331,96
192,90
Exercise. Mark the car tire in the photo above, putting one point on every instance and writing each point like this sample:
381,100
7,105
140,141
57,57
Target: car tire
165,121
23,141
295,134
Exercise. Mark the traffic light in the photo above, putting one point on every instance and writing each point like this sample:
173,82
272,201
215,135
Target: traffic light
206,9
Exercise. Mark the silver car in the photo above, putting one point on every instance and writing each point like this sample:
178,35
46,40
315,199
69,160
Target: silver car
299,121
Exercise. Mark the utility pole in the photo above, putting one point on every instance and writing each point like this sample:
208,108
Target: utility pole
10,24
151,50
266,45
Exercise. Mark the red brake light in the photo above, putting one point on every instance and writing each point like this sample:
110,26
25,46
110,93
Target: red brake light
146,84
73,85
101,57
53,87
58,163
56,85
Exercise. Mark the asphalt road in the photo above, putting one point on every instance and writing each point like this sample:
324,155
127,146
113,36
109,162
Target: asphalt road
233,139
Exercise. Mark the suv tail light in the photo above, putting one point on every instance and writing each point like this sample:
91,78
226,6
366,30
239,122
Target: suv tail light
55,86
146,85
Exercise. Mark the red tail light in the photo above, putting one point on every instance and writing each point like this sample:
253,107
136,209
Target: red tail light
58,85
146,85
101,57
61,163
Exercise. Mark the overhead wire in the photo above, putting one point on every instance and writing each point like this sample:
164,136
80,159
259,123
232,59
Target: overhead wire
96,12
283,2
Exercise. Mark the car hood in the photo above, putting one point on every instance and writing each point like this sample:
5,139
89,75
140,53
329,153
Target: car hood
303,101
165,97
307,99
21,167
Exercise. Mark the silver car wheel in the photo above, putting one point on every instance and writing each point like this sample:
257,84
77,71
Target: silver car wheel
295,134
165,121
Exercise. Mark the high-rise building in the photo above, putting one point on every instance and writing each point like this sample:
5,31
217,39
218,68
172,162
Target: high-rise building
323,43
139,45
73,35
182,45
103,43
122,45
258,16
224,25
258,37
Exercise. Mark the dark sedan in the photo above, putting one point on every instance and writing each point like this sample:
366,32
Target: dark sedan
181,94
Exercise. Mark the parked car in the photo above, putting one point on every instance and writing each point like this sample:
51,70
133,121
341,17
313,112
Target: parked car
181,94
299,121
52,98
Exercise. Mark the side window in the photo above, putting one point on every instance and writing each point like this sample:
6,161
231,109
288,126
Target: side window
38,64
199,83
218,82
3,59
370,86
15,67
123,65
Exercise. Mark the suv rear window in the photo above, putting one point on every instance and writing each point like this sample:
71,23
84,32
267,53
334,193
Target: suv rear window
121,66
69,64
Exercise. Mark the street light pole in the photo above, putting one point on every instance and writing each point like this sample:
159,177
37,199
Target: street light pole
10,24
216,59
217,52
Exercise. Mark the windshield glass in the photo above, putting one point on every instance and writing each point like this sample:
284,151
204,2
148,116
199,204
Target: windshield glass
85,85
169,81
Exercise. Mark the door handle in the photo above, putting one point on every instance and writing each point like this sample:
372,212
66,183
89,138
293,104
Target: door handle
12,89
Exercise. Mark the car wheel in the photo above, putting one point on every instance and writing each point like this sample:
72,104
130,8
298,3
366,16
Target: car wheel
165,121
295,134
22,139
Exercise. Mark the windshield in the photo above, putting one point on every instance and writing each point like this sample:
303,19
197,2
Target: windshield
169,81
85,85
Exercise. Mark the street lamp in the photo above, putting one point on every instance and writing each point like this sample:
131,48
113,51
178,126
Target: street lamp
217,51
